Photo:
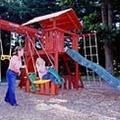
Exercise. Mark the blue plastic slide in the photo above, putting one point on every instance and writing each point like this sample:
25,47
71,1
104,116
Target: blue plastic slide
95,67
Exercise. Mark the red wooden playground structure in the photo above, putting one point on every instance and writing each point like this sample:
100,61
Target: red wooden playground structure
57,28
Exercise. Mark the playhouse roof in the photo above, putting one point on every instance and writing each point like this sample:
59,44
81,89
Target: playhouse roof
65,19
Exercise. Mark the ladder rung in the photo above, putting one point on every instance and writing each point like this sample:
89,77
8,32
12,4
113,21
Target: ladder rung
91,55
94,46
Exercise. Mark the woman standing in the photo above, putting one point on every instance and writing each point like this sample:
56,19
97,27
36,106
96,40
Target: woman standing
11,75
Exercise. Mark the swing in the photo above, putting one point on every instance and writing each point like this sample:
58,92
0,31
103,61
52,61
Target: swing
3,56
52,70
44,84
33,75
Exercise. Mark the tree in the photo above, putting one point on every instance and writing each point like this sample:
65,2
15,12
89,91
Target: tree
107,21
21,11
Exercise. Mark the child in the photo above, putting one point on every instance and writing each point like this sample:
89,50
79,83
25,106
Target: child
43,72
41,68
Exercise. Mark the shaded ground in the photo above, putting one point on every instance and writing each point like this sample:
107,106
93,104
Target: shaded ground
95,102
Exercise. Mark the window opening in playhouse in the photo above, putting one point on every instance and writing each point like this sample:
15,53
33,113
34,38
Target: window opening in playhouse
67,41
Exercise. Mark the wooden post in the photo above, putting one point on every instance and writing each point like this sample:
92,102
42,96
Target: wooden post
54,88
77,77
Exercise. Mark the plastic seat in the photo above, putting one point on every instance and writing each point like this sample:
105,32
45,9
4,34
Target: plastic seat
32,77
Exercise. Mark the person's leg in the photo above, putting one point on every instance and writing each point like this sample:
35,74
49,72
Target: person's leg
10,95
46,76
53,78
7,93
49,76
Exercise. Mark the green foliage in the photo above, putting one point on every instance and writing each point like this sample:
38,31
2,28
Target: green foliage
90,22
21,11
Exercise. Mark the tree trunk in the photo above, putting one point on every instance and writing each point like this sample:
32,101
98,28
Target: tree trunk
108,57
107,20
104,13
109,64
109,15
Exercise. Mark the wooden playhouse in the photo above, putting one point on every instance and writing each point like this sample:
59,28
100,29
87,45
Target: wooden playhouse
59,29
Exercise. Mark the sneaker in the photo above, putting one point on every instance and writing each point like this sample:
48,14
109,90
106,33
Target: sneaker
6,100
15,104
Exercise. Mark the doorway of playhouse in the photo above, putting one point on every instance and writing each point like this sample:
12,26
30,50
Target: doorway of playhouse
89,45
